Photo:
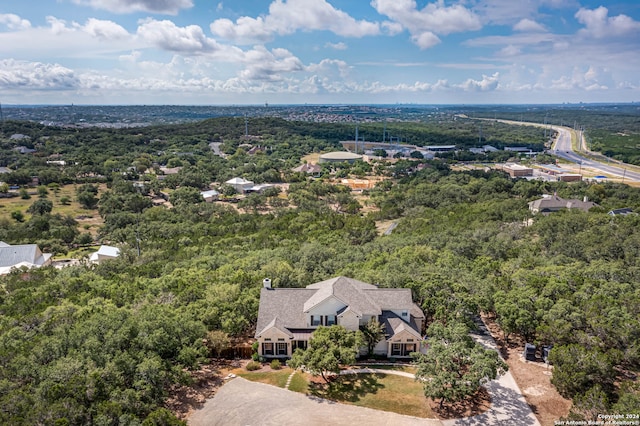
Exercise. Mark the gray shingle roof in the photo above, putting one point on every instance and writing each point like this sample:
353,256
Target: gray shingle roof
287,308
348,290
393,324
13,255
556,203
284,303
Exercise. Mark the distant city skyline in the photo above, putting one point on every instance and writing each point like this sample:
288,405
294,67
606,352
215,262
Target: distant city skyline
250,52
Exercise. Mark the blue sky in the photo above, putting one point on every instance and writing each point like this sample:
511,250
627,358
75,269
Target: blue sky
318,51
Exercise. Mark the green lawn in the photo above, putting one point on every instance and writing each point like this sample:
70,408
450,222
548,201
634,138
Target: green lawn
385,392
274,378
299,383
398,367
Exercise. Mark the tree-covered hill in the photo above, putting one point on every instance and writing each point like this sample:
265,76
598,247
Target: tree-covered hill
102,344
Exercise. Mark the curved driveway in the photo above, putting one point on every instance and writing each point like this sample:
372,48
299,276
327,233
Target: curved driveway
244,403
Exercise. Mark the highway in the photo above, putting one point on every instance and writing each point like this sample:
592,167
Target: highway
562,148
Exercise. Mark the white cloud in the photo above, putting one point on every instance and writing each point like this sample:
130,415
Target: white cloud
486,84
58,26
14,22
168,36
336,46
333,69
425,24
425,40
27,76
288,16
106,30
509,50
262,64
392,28
528,25
170,7
599,25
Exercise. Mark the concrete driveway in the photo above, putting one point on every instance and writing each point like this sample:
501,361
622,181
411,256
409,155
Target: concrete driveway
244,403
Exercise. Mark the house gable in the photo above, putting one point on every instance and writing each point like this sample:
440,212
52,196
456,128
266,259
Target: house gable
287,316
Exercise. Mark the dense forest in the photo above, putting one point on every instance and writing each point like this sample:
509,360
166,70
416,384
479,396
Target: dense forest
102,344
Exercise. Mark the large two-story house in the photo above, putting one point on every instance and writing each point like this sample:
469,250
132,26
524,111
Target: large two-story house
288,316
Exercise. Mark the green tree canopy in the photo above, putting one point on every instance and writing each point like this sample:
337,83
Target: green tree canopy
329,347
455,366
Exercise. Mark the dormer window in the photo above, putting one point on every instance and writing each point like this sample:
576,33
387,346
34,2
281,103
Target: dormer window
315,320
405,313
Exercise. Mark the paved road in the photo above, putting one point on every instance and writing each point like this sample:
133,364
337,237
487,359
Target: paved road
562,148
244,403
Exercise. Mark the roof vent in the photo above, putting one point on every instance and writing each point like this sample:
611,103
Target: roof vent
266,283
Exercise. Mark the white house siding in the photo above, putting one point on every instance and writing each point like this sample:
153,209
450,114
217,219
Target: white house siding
403,338
330,306
381,347
349,320
365,319
274,336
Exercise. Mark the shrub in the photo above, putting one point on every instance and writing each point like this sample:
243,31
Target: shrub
276,365
253,366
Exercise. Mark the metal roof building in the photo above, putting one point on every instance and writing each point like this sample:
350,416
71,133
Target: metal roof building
339,157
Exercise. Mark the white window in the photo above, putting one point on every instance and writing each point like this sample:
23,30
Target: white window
315,321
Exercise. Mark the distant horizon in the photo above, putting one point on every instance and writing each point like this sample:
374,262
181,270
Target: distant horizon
257,105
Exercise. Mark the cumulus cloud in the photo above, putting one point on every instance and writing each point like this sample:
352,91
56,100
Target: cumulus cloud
598,24
425,24
487,83
528,25
262,64
167,35
106,30
14,22
288,16
26,75
336,46
169,7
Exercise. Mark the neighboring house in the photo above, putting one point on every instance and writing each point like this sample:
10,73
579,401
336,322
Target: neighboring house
288,316
553,203
621,212
259,188
16,256
24,150
104,253
210,195
309,168
239,184
5,170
